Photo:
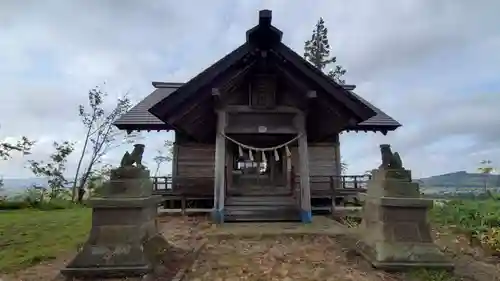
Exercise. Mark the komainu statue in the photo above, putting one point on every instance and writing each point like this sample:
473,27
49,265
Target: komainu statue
129,159
390,160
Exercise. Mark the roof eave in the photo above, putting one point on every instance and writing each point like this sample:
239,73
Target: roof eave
143,127
359,109
384,129
185,91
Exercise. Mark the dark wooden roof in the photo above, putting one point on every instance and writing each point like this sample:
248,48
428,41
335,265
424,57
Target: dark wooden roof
139,118
380,122
153,112
264,36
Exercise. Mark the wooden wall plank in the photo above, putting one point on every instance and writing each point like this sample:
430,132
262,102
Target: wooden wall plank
322,165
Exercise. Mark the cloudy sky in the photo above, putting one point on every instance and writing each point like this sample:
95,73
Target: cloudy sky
432,65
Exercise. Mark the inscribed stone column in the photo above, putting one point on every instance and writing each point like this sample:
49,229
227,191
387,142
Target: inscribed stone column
219,169
305,189
394,232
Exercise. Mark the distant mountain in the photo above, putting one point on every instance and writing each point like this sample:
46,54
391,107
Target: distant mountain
459,179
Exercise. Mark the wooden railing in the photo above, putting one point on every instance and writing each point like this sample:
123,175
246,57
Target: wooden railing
196,186
185,194
204,185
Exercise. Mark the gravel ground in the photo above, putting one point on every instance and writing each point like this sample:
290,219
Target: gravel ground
282,258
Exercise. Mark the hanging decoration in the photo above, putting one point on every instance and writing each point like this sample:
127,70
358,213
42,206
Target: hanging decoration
276,155
240,151
252,149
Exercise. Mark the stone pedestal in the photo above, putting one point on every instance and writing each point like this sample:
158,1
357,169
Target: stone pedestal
124,240
395,233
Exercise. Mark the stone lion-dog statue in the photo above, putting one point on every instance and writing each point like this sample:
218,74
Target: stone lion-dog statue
390,160
129,159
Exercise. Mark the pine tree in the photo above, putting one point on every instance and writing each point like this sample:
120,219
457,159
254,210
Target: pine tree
317,52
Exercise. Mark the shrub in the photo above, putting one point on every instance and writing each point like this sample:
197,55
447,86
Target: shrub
13,205
478,219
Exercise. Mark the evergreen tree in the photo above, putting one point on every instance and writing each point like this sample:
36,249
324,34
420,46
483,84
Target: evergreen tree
317,52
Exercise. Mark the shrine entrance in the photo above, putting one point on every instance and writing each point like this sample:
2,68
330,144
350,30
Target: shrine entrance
258,166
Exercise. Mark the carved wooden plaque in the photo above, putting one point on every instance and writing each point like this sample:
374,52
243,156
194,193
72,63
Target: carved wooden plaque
263,91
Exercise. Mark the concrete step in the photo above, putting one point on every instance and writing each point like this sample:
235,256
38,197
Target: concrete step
260,201
263,208
259,193
261,214
259,218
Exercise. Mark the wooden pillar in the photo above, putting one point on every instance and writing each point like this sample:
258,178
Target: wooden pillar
338,170
305,188
175,156
219,169
229,168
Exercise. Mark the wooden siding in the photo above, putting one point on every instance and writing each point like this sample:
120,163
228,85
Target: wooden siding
195,168
195,160
322,164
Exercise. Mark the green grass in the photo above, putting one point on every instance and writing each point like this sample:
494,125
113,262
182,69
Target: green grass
28,237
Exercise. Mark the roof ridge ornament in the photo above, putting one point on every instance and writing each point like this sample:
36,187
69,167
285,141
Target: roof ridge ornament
265,17
264,35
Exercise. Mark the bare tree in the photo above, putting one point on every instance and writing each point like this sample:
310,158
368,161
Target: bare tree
54,170
163,155
101,136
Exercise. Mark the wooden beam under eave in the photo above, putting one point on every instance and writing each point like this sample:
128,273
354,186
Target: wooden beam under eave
312,95
227,82
193,106
216,95
292,78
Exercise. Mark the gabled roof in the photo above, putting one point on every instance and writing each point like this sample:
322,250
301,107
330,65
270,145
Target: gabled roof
139,118
264,36
153,112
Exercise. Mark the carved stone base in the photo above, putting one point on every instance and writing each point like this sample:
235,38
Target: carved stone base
124,239
395,234
403,256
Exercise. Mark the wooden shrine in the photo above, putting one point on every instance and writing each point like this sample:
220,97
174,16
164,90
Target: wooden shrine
258,131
